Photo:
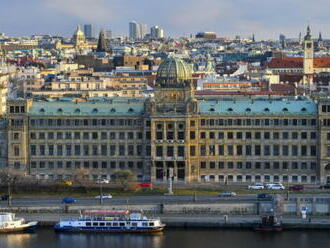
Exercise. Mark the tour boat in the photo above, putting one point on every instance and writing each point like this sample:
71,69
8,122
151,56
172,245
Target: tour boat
269,223
110,221
9,223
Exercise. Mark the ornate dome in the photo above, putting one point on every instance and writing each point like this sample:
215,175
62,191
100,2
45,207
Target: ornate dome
173,71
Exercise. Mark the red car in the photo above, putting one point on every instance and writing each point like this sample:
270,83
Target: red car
296,187
146,185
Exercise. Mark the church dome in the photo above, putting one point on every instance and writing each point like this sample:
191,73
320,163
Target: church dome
173,71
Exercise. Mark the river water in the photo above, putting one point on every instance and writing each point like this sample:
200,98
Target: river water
174,238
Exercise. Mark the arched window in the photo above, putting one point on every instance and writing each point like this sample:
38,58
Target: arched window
112,110
266,109
248,110
42,110
95,110
284,109
77,110
303,110
60,110
211,109
230,109
130,110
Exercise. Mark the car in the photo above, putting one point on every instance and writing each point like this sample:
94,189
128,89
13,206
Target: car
104,196
264,196
297,187
4,197
256,186
103,181
227,194
68,200
325,186
65,183
275,186
145,185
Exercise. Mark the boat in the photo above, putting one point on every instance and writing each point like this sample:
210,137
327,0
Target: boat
9,223
269,223
110,221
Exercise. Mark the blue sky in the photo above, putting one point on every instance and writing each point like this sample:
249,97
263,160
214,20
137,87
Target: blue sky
265,18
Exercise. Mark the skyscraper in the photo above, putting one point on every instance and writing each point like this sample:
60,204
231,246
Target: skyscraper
156,32
88,31
143,30
134,30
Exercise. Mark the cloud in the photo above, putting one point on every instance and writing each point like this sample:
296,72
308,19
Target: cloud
265,18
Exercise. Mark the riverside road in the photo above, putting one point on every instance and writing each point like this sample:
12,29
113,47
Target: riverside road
155,199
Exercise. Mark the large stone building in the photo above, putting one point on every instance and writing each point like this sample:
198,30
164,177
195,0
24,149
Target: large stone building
225,140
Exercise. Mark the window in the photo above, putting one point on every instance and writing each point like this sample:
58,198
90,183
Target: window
230,135
181,151
266,150
221,150
192,135
230,150
203,150
203,135
159,151
170,151
203,165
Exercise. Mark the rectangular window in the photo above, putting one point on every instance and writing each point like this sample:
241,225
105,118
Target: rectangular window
181,151
239,150
203,150
230,150
170,151
248,150
266,150
104,150
192,151
221,150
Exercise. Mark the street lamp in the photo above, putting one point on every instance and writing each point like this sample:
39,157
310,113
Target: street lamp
101,191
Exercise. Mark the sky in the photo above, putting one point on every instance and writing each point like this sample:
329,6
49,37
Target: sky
228,18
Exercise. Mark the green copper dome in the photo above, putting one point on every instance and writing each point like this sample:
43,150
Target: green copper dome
173,71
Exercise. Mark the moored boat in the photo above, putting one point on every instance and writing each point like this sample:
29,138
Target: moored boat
110,221
9,223
269,223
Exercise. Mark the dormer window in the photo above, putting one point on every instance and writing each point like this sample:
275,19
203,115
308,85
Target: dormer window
42,110
112,110
95,110
77,110
60,110
303,110
284,109
130,110
266,109
230,109
211,109
248,110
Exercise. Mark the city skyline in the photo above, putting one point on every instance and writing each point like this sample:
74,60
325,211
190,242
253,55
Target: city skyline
59,17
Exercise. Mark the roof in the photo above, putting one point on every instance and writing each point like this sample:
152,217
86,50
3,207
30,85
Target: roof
280,107
113,107
297,62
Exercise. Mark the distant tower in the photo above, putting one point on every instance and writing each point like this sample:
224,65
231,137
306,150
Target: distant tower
320,41
88,31
282,41
299,39
253,38
308,58
78,37
101,44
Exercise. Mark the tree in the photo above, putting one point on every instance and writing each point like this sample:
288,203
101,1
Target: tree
125,178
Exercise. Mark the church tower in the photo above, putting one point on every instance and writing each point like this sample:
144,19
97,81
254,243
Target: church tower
101,44
308,58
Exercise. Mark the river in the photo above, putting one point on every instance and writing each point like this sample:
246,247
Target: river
173,238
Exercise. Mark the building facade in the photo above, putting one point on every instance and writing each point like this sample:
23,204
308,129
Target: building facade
224,140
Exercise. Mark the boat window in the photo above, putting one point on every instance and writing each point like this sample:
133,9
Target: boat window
134,224
108,223
121,223
144,224
115,224
102,224
95,223
88,224
151,224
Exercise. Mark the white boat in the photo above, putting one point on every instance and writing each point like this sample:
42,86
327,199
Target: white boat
110,221
9,223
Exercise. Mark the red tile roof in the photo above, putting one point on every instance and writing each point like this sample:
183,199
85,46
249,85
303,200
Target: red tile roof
293,62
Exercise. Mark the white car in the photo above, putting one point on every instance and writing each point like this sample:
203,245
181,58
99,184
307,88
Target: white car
256,186
103,181
103,196
275,186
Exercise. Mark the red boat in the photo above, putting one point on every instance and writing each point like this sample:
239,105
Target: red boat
269,223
